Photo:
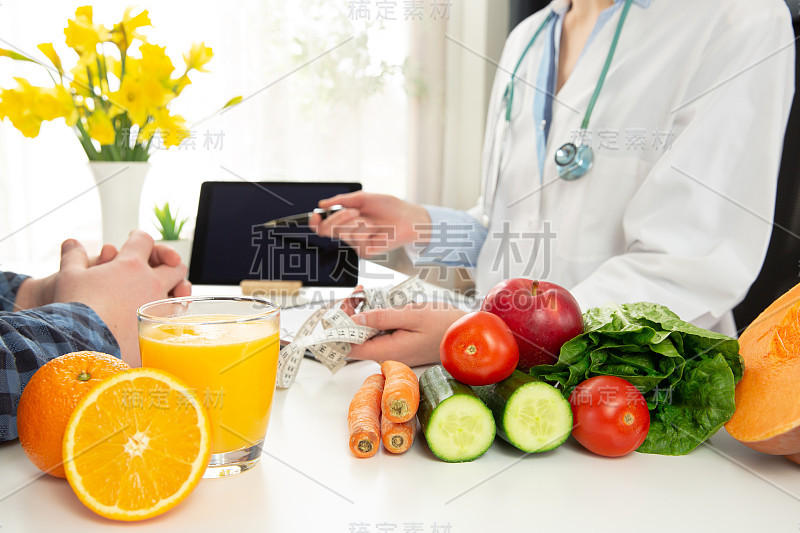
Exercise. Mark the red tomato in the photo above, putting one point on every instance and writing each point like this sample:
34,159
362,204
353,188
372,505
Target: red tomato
610,416
479,349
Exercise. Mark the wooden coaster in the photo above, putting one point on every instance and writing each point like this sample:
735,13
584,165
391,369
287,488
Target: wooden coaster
269,288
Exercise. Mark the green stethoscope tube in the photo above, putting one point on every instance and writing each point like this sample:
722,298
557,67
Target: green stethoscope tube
572,160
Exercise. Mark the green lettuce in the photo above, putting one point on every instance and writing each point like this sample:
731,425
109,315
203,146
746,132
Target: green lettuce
687,374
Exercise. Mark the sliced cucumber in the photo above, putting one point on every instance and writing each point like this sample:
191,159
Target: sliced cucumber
457,425
530,414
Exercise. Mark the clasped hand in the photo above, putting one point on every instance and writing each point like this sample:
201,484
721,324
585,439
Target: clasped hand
114,284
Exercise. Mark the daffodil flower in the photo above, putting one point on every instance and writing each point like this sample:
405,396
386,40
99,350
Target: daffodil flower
50,52
199,54
144,88
124,33
171,128
100,127
83,35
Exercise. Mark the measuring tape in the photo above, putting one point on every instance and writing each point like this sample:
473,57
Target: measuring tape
332,345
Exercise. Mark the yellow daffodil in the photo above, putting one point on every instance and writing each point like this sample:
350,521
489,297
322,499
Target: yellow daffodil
100,127
56,102
140,97
172,129
83,35
16,105
27,106
50,52
131,97
199,54
125,32
145,87
155,63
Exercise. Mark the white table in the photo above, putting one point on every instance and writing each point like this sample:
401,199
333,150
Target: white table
308,481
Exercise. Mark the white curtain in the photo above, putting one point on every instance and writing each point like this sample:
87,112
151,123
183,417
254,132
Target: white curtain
453,63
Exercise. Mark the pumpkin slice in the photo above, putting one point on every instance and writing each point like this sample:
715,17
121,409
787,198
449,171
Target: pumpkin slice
767,416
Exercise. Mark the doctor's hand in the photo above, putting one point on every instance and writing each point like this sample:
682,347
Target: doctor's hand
415,332
373,223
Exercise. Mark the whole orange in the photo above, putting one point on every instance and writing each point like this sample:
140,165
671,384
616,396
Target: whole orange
49,399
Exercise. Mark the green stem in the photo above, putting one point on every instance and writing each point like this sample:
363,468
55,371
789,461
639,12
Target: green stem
114,149
52,78
88,147
130,144
89,81
100,75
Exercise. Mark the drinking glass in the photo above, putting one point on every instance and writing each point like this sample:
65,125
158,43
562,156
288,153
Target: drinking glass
226,350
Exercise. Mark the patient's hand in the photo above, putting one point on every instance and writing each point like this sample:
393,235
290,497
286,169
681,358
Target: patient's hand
139,273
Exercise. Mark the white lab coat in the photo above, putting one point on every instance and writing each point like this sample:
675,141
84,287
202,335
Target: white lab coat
685,225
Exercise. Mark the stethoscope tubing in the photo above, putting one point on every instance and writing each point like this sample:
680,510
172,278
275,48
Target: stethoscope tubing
585,162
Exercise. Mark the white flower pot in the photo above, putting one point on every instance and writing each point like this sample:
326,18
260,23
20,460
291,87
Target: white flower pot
119,184
182,246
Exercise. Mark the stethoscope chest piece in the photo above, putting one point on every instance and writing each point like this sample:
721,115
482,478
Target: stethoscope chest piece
573,161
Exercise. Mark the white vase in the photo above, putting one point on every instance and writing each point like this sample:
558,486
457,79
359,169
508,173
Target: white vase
119,184
182,246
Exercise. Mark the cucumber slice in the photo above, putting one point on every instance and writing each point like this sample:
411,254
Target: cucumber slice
457,425
530,414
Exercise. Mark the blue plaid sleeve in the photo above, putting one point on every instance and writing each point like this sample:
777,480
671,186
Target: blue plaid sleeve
9,285
29,339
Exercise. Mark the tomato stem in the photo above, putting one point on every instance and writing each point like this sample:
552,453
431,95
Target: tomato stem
471,349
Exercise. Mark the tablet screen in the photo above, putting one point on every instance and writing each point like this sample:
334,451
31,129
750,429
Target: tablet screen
231,245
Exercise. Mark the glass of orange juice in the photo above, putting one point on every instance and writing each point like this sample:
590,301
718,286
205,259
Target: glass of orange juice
226,349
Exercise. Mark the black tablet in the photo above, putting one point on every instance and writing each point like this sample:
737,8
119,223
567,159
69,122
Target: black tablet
231,245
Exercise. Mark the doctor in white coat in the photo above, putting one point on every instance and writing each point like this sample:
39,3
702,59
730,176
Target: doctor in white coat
677,206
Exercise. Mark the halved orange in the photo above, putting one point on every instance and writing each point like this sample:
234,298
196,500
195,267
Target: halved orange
136,445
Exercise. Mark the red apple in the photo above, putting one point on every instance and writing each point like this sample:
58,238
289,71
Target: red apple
542,316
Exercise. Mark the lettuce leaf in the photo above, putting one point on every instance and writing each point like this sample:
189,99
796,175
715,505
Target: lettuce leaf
687,374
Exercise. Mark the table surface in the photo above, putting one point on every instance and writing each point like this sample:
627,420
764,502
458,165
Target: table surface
307,480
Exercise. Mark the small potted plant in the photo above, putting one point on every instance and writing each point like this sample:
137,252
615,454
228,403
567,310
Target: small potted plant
169,225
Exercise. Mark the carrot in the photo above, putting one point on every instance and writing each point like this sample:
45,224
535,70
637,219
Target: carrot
364,417
398,438
401,392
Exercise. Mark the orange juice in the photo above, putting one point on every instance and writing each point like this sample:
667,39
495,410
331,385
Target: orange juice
231,366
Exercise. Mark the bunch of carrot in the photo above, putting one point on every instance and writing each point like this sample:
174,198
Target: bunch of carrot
384,409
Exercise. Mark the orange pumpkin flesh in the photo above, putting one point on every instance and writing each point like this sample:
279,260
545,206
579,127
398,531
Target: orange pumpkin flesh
767,416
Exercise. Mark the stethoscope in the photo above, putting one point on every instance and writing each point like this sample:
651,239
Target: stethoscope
573,160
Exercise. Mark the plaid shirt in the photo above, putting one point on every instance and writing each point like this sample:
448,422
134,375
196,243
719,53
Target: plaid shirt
29,339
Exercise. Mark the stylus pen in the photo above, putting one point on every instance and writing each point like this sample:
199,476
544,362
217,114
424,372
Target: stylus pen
302,218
